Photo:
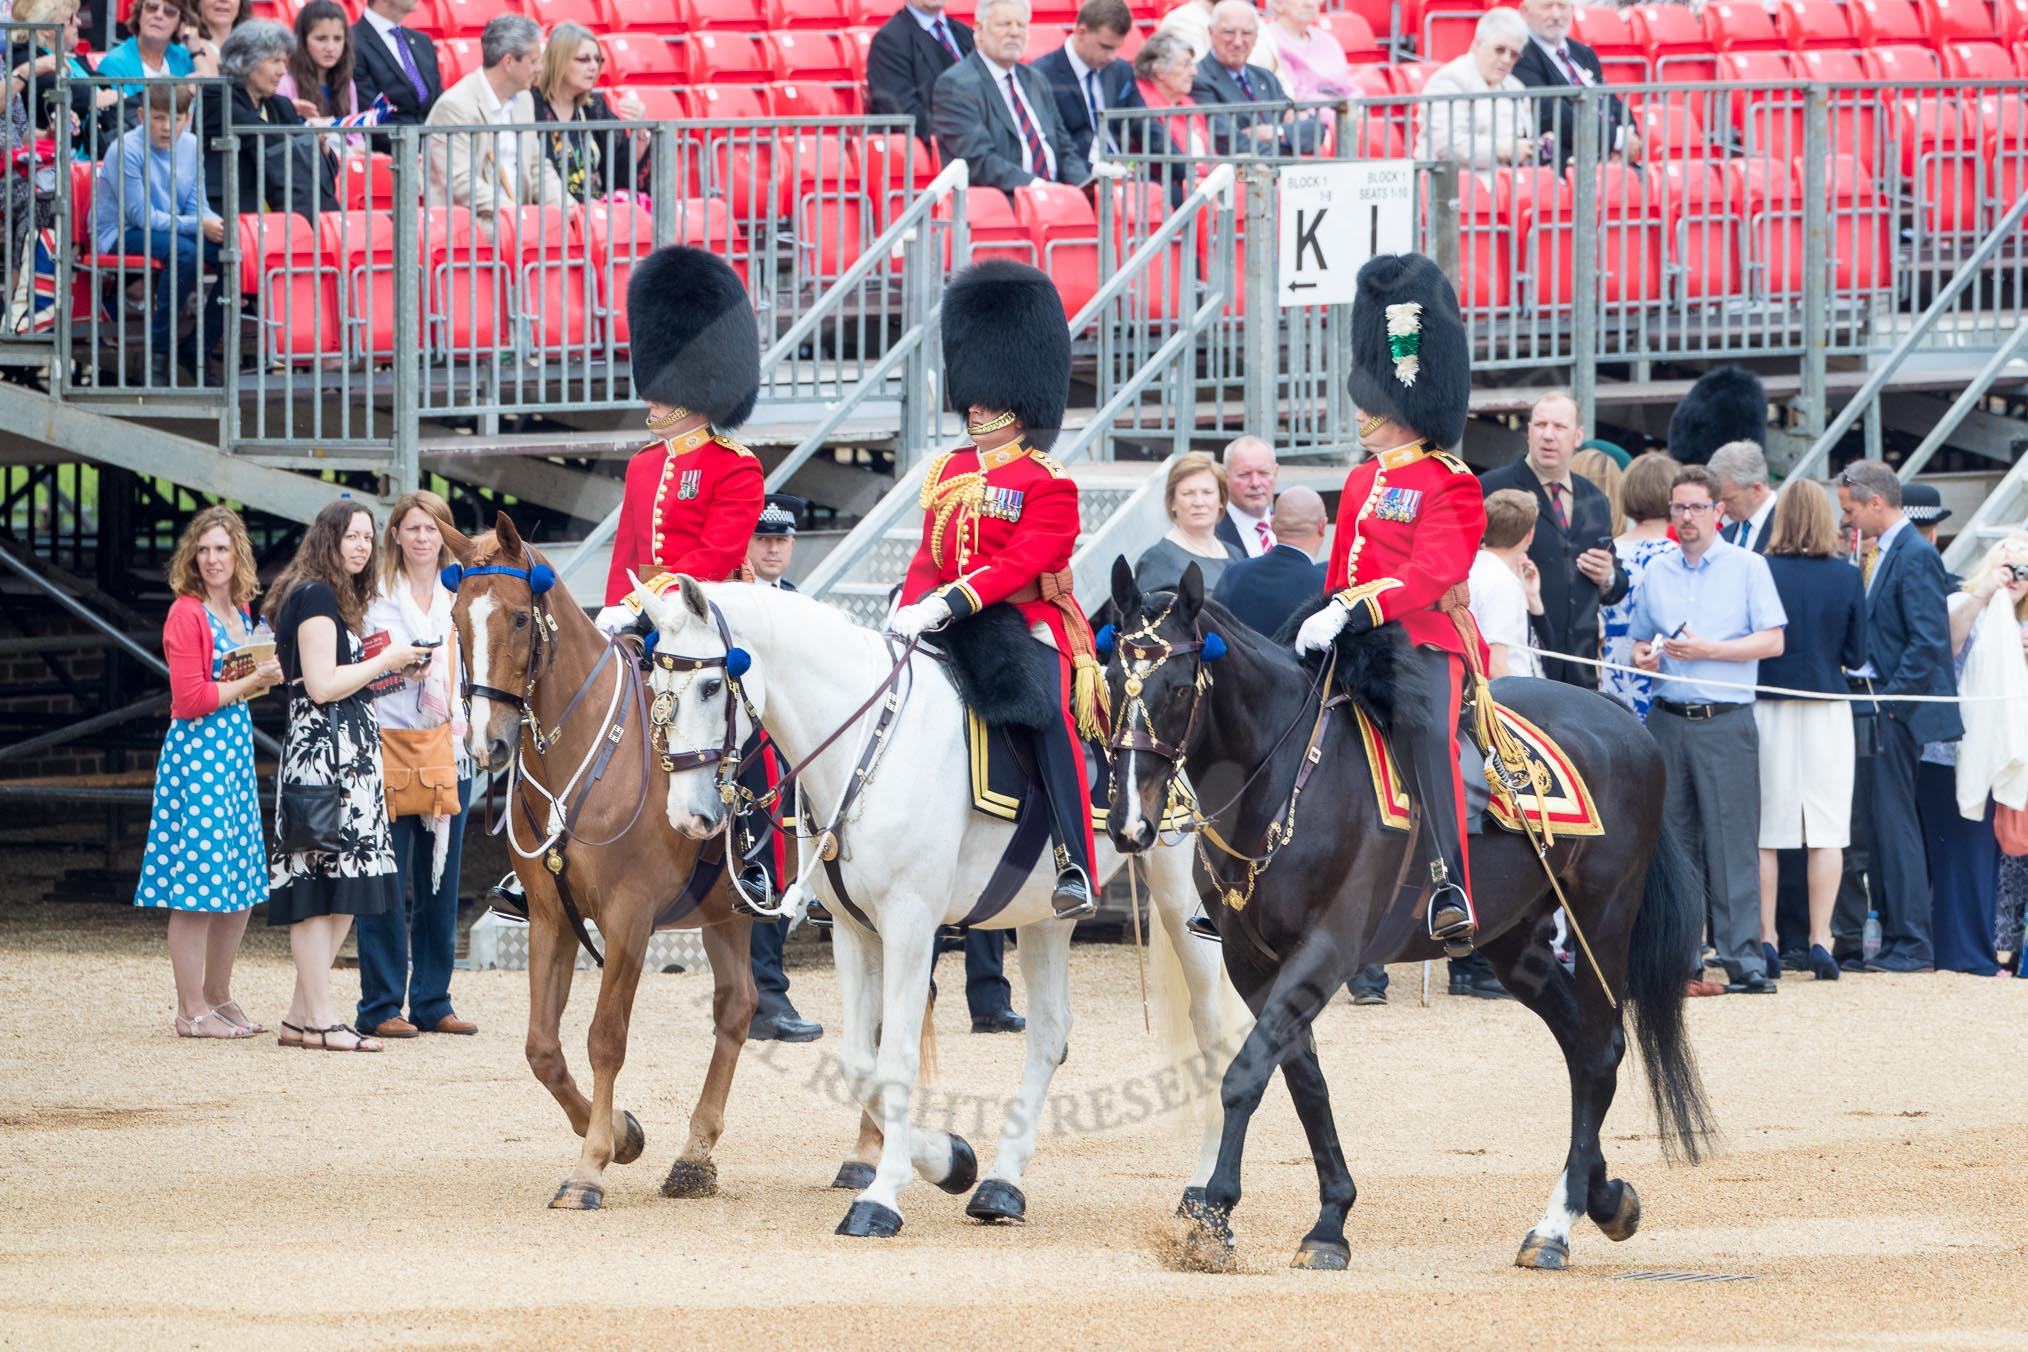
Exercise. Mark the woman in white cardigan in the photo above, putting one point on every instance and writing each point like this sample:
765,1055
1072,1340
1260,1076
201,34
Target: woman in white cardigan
1481,132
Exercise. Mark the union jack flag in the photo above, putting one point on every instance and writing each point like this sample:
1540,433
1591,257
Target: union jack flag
371,117
42,302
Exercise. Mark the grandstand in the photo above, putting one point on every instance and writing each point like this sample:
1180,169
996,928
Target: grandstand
1831,192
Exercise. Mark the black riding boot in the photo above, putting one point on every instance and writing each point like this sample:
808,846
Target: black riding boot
1433,763
1061,769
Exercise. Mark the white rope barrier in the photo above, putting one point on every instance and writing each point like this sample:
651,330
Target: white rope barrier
1849,697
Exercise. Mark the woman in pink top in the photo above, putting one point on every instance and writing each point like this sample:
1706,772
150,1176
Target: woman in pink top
319,79
1306,56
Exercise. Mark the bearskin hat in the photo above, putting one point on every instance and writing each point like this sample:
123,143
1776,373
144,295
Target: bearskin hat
694,340
1726,404
1411,361
1007,345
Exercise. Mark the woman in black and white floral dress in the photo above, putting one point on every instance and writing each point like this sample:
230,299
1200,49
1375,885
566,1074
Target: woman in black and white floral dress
316,608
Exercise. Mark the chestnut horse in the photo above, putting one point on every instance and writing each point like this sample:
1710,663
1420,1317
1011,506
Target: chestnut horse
547,693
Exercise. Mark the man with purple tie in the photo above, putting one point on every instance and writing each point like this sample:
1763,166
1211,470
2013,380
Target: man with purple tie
395,62
1552,59
918,43
998,115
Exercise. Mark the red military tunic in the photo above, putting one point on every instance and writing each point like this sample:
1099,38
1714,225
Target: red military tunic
1409,526
690,507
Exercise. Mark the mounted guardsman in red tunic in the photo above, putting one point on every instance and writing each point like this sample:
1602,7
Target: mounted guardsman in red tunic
693,497
1409,525
1000,520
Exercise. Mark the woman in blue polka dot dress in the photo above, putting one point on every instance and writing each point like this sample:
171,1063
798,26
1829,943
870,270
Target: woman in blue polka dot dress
206,862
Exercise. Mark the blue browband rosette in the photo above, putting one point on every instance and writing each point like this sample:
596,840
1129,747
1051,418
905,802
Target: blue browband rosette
541,578
1104,640
451,576
1214,647
648,643
737,662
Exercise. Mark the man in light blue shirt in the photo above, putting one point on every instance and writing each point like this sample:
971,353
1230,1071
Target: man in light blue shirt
148,199
1706,617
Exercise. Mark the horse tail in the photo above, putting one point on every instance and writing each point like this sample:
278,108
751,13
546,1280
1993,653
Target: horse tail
926,1062
1667,930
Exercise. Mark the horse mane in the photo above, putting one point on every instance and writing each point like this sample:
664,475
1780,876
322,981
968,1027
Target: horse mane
1376,667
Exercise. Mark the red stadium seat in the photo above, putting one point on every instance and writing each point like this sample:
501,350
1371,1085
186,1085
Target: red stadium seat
826,16
1062,13
722,16
360,244
729,58
617,235
1939,160
1766,107
892,166
553,293
857,40
645,18
590,13
728,103
997,231
465,18
469,284
1703,229
1900,61
1742,27
641,59
300,317
790,98
366,182
1447,27
2010,18
1854,112
421,19
1044,38
1978,62
1607,32
739,166
1811,24
1676,46
1948,21
1670,129
662,103
1881,23
1354,34
457,58
1065,231
1411,76
1132,43
813,57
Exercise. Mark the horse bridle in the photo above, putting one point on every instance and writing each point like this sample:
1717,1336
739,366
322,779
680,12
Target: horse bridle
734,662
1142,654
541,649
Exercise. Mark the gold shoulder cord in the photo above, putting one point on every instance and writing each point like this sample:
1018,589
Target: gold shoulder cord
956,499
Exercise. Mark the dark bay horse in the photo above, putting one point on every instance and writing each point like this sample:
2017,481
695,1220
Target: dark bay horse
546,687
1240,722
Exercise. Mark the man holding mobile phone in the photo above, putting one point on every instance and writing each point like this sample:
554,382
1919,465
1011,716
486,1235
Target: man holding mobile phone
1573,545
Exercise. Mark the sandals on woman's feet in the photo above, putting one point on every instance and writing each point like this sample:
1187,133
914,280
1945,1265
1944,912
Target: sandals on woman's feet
360,1042
210,1024
234,1015
291,1036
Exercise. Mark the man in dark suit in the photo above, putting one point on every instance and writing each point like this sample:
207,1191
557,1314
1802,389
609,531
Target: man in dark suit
1552,59
1263,592
1743,492
1224,77
1909,653
998,115
395,62
1087,77
918,43
1572,549
1250,472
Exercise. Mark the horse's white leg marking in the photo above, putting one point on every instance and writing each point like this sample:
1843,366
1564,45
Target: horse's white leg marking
1045,973
1174,899
858,960
1558,1217
481,713
907,931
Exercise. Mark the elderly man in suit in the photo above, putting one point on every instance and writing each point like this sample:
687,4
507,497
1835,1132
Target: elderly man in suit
494,175
1087,77
1909,653
1741,467
998,116
1572,549
1226,77
1554,60
1250,472
1266,590
394,62
917,44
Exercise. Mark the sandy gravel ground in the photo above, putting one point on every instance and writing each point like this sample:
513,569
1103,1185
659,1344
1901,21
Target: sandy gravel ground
165,1193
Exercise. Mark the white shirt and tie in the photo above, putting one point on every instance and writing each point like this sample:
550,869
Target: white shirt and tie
1018,108
1756,525
1093,89
1564,62
1255,535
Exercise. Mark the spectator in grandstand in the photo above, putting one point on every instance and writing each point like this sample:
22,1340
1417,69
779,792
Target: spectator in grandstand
1264,591
276,171
1708,615
1908,644
1194,497
1250,473
34,73
997,115
1191,23
1303,53
154,52
148,198
1227,76
319,78
1604,471
1643,500
591,164
1163,73
917,44
410,955
1573,537
1956,782
1806,745
317,608
1743,492
204,863
1552,59
208,23
1476,130
494,175
1506,586
1087,77
395,63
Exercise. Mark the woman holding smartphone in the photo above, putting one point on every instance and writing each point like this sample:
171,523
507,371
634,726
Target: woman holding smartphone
408,954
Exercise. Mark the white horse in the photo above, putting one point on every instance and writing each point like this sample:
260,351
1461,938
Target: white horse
914,856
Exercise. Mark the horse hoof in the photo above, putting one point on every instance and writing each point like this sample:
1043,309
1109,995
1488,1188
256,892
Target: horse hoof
1544,1255
870,1220
964,1168
1192,1203
691,1178
577,1196
633,1140
1623,1222
996,1202
1208,1246
1323,1255
853,1176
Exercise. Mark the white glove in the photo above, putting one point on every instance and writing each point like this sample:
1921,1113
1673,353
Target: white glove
1109,169
926,614
616,619
1321,628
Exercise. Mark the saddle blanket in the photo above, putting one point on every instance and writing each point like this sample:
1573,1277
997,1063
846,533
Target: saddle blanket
1000,784
1567,799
